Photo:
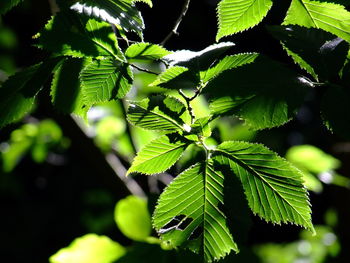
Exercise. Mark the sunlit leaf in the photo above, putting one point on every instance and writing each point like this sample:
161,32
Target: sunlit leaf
145,51
90,248
159,155
189,213
132,218
273,186
333,18
238,15
104,80
159,112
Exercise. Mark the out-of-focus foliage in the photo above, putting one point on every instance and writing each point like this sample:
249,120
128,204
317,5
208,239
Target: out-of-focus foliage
37,139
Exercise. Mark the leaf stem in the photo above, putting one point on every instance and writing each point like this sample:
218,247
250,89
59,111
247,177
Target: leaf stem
178,22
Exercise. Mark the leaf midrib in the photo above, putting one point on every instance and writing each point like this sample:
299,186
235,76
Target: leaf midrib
238,161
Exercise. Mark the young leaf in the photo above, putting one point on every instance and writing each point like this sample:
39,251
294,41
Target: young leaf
201,127
104,80
117,12
146,51
159,155
274,187
238,15
330,17
323,51
189,213
7,5
79,37
18,93
264,94
66,93
162,113
335,110
228,62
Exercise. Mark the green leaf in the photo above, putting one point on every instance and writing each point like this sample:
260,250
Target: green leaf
132,218
238,15
189,213
176,77
104,80
201,127
264,94
90,248
274,187
7,5
79,37
333,18
187,66
66,93
198,60
312,158
159,155
315,48
17,94
162,113
228,62
117,12
335,110
148,2
146,51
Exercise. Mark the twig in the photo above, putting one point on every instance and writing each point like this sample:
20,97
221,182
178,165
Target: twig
178,22
143,69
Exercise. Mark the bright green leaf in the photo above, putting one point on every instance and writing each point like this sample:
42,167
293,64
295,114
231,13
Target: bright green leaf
312,158
190,213
159,112
228,62
90,248
201,127
159,155
274,187
264,94
132,218
146,51
18,93
104,80
117,12
238,15
333,18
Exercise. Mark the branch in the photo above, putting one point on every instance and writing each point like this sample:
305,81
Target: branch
143,69
178,22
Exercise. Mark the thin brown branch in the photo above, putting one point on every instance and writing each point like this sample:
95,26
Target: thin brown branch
178,22
144,69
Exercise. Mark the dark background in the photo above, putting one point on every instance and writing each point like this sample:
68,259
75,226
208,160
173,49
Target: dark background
44,207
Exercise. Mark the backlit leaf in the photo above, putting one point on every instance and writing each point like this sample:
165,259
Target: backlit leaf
146,51
333,18
274,187
104,80
159,112
238,15
189,213
159,155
